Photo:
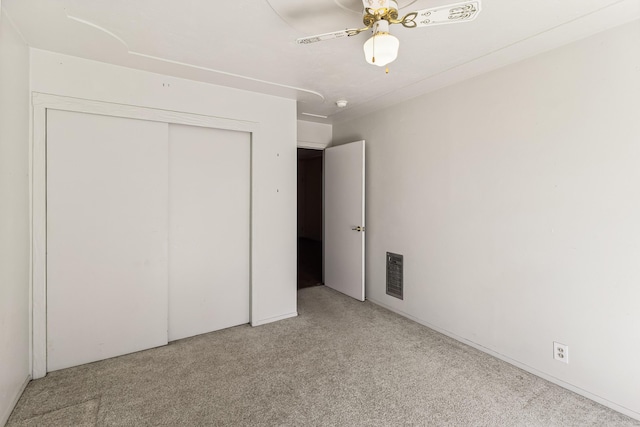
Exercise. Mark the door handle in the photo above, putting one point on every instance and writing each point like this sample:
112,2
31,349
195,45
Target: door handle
358,228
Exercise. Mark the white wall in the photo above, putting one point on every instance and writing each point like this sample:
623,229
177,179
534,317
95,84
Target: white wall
14,216
515,200
273,157
314,135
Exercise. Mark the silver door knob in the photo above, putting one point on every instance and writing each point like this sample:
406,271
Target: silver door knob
358,228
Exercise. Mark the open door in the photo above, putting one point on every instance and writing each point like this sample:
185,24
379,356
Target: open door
344,219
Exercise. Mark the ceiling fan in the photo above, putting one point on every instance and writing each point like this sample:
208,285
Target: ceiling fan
382,47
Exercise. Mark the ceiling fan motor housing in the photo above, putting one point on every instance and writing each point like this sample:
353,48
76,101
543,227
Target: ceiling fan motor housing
376,10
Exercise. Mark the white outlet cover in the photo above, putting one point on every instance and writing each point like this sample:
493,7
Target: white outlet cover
561,352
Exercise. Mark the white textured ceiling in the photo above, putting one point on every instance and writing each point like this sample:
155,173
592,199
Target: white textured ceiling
250,44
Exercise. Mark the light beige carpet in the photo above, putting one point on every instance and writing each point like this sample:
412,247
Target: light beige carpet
340,363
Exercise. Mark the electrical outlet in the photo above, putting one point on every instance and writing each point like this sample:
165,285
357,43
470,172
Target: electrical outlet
561,352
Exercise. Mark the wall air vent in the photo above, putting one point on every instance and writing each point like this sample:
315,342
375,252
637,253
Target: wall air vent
394,275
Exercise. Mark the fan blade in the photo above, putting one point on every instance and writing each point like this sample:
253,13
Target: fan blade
447,14
328,36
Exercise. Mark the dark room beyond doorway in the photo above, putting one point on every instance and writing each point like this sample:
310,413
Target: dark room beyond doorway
310,167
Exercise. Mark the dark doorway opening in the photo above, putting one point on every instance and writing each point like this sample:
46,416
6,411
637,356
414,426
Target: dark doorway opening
310,217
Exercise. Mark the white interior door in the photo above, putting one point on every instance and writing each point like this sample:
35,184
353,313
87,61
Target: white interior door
107,226
209,205
344,219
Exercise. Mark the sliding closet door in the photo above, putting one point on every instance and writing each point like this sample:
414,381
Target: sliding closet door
209,183
107,225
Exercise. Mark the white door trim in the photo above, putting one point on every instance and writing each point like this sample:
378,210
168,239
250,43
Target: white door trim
41,103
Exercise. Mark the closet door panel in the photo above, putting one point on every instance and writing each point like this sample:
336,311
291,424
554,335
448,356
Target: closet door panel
209,203
107,237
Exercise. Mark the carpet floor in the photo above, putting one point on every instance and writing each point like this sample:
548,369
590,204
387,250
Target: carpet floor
339,363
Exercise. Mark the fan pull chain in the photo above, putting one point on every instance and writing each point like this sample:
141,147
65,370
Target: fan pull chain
373,47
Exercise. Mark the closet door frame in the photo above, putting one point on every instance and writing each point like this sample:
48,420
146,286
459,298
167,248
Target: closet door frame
41,103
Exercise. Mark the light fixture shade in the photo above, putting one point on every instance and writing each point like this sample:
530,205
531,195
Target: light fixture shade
381,49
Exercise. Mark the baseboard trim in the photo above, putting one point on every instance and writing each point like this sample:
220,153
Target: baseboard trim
273,319
623,410
5,417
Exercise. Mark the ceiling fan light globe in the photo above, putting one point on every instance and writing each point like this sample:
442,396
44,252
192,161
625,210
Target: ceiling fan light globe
381,49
